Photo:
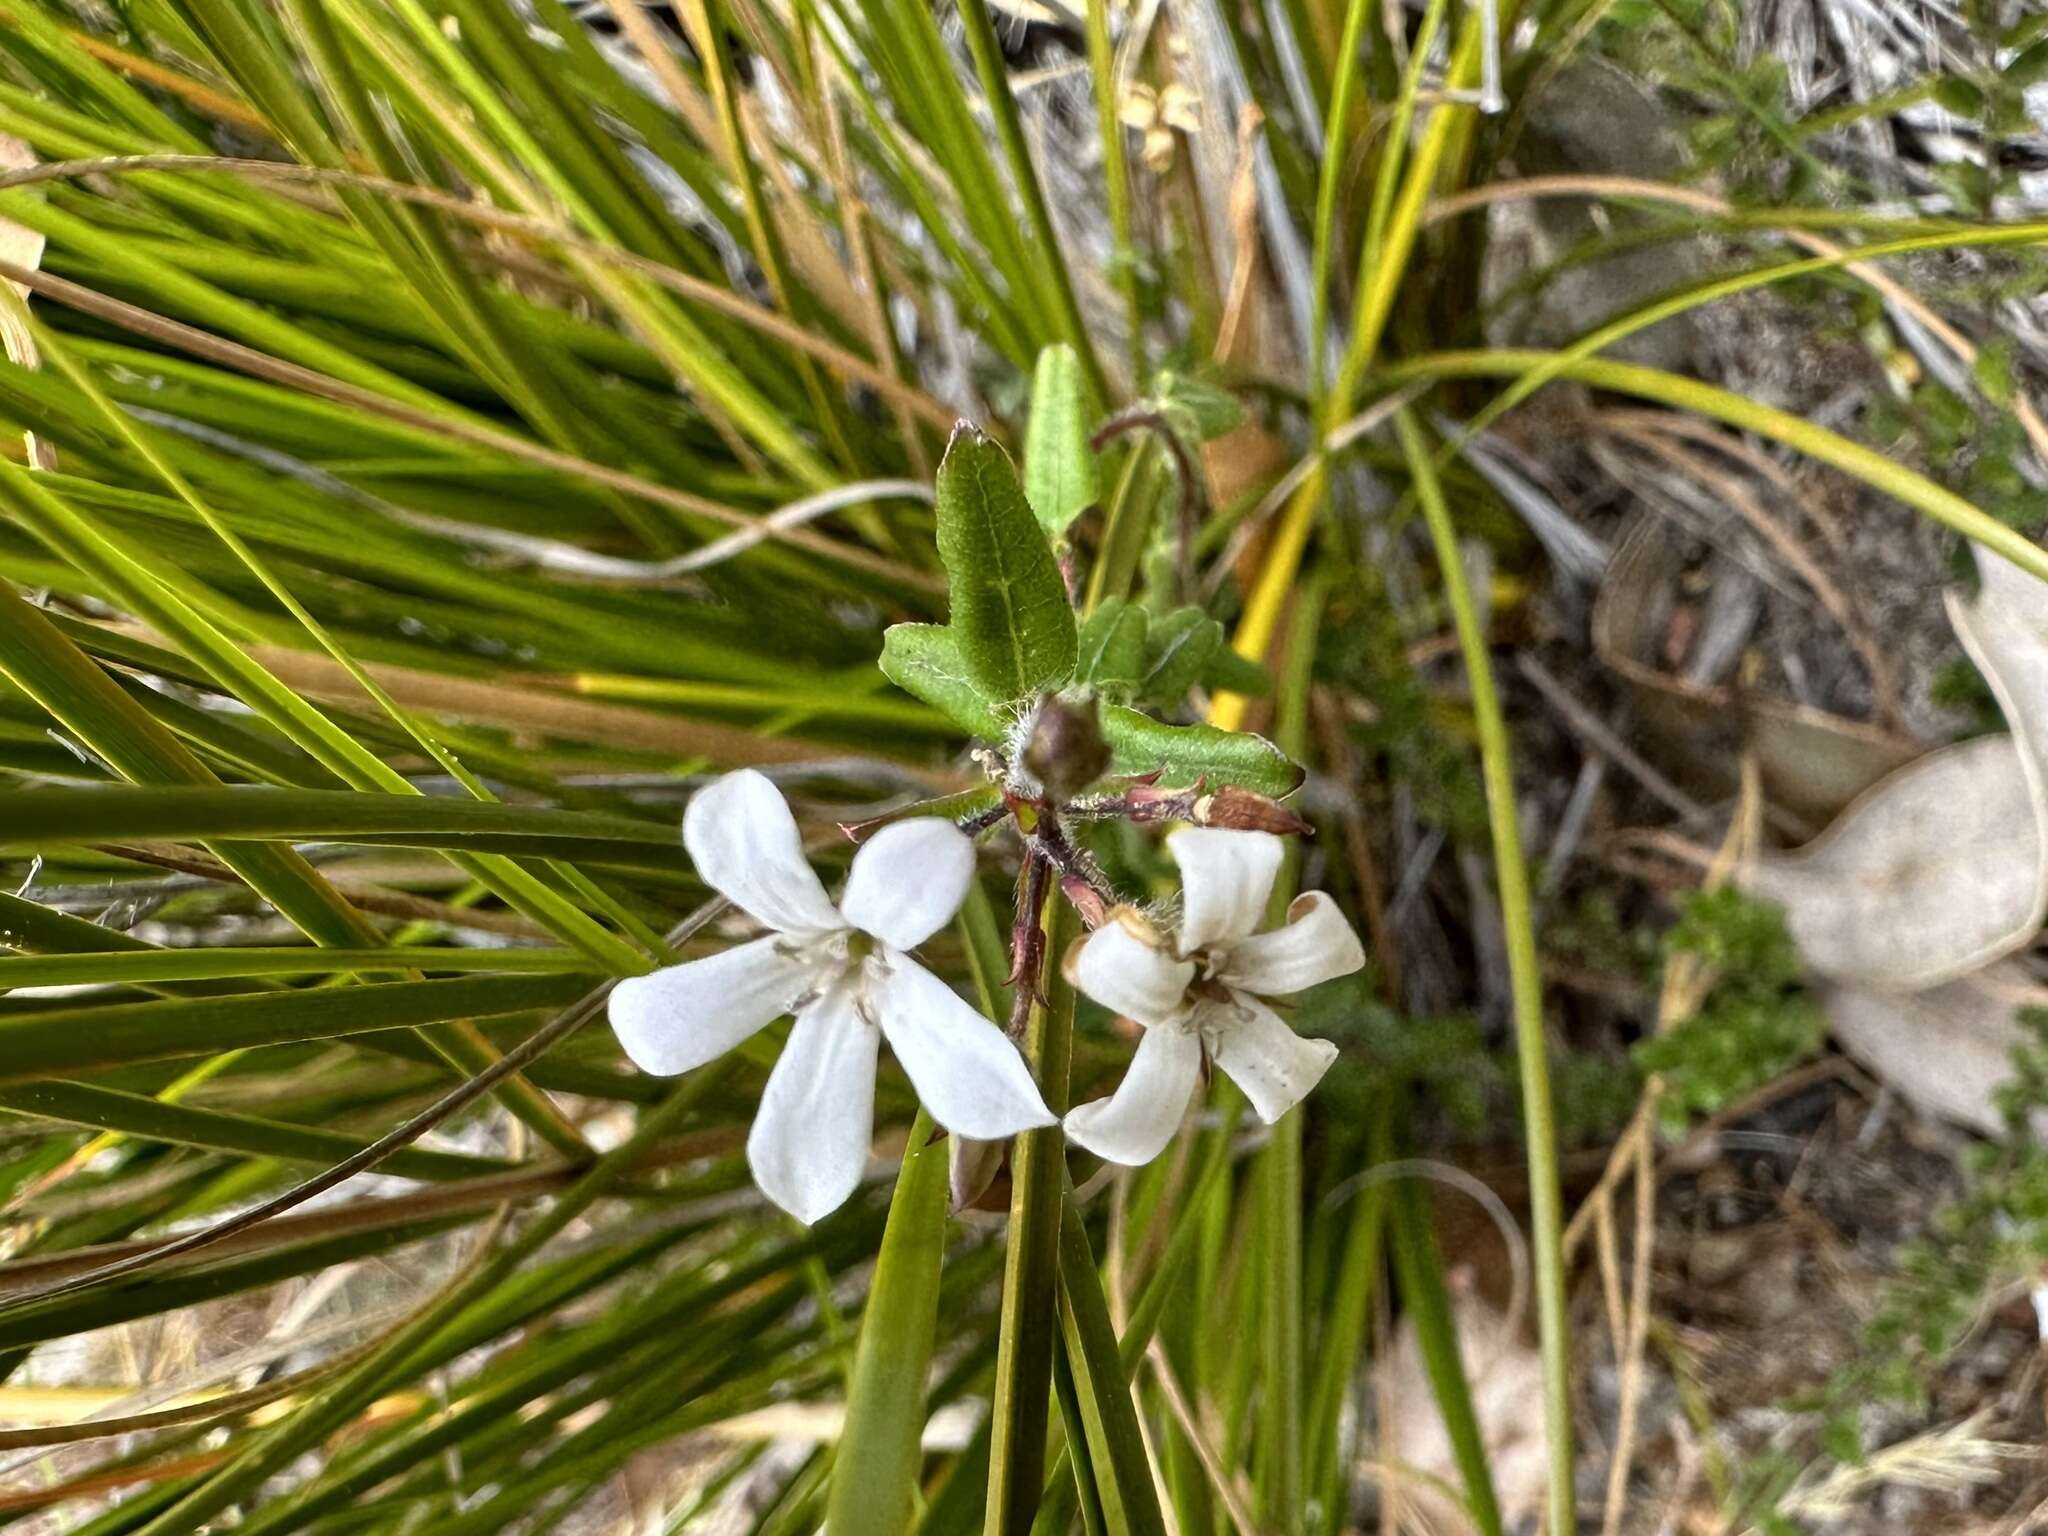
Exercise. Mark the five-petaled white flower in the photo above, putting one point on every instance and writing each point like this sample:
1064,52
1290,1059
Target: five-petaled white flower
844,971
1203,993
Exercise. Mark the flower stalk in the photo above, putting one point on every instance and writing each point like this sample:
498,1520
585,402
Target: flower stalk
1038,1169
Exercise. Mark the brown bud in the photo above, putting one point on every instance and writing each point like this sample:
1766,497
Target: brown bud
1086,899
1247,811
971,1168
1065,751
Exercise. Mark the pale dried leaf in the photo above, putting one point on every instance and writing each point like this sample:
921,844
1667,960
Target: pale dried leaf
1944,1050
1932,873
2005,630
1941,868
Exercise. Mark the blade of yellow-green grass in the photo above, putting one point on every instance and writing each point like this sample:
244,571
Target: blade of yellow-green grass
1394,216
1281,1451
1046,261
1802,436
1695,296
1383,262
709,26
874,1475
135,967
1336,161
1116,177
662,325
1427,1301
248,680
211,1130
1524,974
93,1037
198,807
1344,1321
1116,1456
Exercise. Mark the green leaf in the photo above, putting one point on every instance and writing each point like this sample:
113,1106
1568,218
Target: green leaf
1952,93
1196,408
1059,466
1421,1272
924,660
2028,68
33,818
1010,611
1228,672
874,1480
1112,646
66,1040
134,1114
1177,651
1115,1446
1183,753
137,967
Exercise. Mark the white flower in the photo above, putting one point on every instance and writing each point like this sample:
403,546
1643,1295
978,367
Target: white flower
1203,993
844,971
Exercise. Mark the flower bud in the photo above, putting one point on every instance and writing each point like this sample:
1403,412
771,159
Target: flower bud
1065,751
1246,811
971,1169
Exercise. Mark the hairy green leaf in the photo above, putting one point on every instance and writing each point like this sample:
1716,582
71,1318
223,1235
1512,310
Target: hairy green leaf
1178,650
1112,646
1059,466
925,661
1010,612
1182,754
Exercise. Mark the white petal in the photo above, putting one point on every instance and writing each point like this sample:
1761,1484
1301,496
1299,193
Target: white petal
1134,1124
1260,1052
746,847
1129,976
809,1145
908,880
1226,879
965,1070
1315,944
682,1016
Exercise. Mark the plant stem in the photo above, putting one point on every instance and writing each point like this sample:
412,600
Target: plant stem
1038,1167
1524,976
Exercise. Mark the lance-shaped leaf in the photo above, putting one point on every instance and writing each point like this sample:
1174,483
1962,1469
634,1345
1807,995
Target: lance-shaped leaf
1178,651
874,1481
1011,617
1059,467
1112,646
925,661
1182,754
1196,408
